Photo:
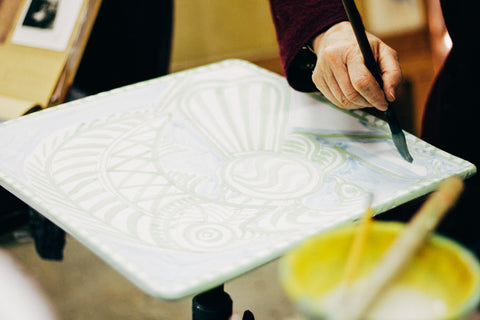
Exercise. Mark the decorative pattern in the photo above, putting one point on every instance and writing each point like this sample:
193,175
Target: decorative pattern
191,179
196,173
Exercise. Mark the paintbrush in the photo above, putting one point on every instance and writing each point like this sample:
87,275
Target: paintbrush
356,21
354,260
358,301
358,244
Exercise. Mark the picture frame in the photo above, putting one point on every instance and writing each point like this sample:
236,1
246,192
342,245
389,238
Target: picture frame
47,24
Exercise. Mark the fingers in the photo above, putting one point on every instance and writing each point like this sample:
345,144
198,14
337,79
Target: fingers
364,84
335,84
342,77
391,72
348,85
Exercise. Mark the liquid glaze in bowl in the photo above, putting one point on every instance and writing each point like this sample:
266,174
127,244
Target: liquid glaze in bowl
441,282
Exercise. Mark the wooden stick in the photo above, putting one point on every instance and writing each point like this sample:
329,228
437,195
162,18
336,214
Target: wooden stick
358,245
402,250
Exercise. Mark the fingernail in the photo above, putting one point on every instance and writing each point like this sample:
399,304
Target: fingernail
383,107
392,95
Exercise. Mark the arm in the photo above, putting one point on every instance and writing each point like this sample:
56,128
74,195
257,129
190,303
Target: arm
339,72
297,23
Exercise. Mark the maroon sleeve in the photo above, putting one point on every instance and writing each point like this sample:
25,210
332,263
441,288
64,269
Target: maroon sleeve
297,22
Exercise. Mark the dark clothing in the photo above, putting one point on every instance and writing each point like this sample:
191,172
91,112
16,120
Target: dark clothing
452,109
450,118
297,23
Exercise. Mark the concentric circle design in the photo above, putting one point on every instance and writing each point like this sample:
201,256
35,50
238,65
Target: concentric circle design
209,169
205,236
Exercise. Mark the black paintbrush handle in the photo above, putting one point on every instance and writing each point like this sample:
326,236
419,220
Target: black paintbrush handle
369,59
370,62
359,30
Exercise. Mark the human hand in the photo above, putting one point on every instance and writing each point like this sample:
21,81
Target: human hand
341,75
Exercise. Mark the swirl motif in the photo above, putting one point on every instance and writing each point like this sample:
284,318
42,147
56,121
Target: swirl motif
207,170
272,176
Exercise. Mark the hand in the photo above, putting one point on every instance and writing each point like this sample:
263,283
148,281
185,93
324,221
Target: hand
341,75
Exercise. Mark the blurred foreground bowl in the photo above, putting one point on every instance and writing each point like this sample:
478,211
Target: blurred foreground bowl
441,282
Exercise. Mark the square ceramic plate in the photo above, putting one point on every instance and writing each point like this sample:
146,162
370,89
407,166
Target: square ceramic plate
184,182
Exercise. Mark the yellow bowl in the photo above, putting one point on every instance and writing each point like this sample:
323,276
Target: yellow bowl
443,272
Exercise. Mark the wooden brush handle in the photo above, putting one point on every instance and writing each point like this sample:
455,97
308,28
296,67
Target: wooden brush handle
403,248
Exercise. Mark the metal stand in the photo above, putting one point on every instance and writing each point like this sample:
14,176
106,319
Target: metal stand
214,304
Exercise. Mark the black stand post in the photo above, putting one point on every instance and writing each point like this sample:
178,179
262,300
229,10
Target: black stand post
214,304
